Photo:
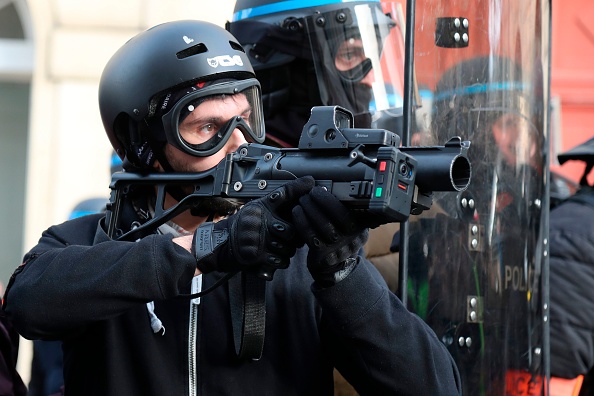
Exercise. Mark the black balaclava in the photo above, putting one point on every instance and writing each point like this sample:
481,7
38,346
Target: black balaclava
290,91
288,94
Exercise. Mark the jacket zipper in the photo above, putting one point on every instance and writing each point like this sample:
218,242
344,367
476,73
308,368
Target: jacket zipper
193,337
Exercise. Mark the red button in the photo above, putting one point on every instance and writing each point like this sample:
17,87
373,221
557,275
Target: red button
382,166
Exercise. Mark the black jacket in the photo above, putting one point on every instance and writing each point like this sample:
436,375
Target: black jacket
571,262
78,286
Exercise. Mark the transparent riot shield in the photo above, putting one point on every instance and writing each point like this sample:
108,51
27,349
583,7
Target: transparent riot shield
477,267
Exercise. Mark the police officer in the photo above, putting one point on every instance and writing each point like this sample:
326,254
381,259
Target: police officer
475,262
329,52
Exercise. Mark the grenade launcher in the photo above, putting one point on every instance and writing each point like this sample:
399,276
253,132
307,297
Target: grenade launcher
364,168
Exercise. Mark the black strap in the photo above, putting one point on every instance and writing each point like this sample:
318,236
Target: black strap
247,296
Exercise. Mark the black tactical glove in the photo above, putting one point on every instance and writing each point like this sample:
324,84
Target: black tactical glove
257,237
334,235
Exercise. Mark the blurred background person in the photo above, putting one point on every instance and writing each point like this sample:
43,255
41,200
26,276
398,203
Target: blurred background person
472,263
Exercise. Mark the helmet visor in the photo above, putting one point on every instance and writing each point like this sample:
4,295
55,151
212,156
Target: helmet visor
202,122
358,53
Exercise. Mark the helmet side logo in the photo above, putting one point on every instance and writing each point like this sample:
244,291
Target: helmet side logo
188,40
225,61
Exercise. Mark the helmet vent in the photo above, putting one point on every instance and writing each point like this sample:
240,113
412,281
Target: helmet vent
199,48
236,46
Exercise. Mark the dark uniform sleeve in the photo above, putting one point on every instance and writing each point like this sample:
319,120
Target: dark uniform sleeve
378,345
76,275
572,289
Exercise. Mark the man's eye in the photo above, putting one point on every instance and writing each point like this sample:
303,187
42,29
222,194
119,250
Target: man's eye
349,58
348,55
198,133
514,123
208,129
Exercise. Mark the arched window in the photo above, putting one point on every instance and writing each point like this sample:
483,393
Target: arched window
16,41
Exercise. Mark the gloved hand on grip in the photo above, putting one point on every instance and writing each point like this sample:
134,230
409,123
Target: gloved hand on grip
259,235
334,235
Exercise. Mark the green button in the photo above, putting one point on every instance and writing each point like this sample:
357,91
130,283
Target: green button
378,192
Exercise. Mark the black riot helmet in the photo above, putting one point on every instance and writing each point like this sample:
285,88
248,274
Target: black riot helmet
157,78
324,52
476,93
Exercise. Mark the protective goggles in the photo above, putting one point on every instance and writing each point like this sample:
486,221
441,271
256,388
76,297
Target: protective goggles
202,122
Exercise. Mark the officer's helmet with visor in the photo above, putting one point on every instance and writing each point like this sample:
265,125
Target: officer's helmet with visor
356,47
485,100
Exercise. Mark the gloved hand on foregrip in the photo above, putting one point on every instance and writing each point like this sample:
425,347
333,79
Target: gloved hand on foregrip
333,234
259,236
